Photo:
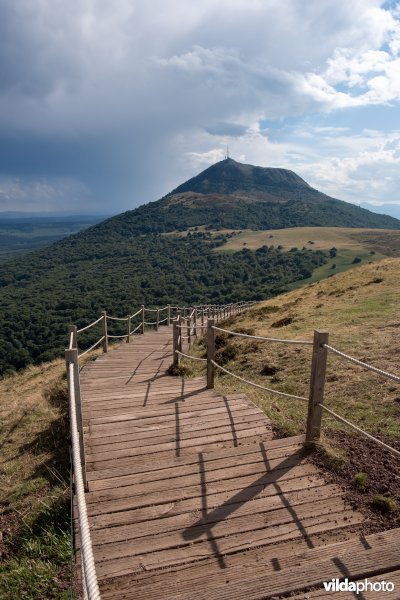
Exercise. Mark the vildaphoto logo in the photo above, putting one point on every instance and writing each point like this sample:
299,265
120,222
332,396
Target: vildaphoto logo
335,585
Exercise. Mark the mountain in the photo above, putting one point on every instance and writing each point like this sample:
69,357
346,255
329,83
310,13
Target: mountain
126,261
232,195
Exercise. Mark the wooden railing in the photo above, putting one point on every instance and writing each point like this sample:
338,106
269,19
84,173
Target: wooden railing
315,400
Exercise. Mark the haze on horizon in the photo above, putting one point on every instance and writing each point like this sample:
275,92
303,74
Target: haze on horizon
107,106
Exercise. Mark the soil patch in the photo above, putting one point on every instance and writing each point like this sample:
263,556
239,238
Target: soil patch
382,478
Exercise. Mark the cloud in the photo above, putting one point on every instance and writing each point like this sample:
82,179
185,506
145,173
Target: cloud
126,99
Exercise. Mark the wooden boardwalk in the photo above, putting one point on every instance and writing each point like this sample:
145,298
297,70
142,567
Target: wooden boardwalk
190,497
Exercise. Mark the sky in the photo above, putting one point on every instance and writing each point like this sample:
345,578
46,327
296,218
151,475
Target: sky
107,105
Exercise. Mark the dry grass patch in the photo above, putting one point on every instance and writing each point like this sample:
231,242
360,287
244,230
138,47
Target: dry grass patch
35,544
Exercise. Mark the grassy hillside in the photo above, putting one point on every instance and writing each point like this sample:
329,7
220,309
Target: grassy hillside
359,308
351,246
34,494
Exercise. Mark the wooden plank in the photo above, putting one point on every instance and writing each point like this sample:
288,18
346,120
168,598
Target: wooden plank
366,563
227,545
208,573
129,498
264,499
255,453
178,468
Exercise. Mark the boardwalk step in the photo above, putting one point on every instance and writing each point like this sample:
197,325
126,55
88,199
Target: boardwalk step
272,572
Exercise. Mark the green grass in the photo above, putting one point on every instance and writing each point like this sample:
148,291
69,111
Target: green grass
39,557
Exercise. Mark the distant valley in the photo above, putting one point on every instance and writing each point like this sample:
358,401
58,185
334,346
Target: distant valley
20,232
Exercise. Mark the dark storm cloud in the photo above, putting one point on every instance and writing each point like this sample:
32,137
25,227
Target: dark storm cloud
119,102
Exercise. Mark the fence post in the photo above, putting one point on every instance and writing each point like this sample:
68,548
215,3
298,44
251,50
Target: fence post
104,328
169,315
317,384
143,317
180,329
188,324
74,330
175,341
71,357
210,353
157,318
128,339
195,322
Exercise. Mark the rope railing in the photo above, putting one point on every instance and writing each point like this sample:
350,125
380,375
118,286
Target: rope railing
89,326
363,364
257,385
118,336
191,357
259,337
89,578
91,347
136,329
368,435
117,318
317,378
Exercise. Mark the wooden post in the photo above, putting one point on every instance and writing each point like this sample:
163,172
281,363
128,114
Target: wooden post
74,330
105,334
143,317
157,318
175,341
210,353
202,320
169,315
128,339
188,324
195,322
317,384
71,357
180,323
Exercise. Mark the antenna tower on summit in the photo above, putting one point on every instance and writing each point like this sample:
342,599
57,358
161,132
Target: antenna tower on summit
227,152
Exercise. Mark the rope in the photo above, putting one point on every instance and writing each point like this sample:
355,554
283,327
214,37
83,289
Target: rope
134,331
91,347
262,387
362,364
163,321
89,568
91,325
371,437
117,336
191,357
146,323
258,337
136,313
152,309
117,318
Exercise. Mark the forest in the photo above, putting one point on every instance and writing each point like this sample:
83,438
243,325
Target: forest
44,291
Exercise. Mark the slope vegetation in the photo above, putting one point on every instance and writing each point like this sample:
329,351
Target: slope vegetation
35,545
